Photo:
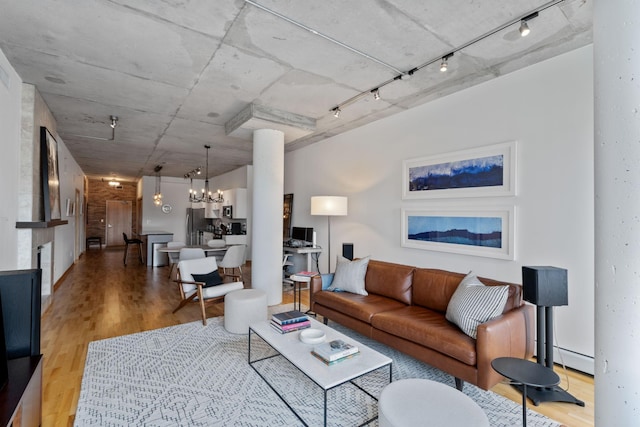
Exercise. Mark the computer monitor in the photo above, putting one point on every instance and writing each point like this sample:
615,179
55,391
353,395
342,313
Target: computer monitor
302,233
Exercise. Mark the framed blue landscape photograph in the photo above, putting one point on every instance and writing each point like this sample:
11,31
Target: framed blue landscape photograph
484,232
478,172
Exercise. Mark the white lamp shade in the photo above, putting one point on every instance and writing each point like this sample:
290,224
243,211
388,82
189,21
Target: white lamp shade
329,205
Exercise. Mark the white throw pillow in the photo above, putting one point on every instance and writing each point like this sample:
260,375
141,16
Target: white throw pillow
349,276
474,303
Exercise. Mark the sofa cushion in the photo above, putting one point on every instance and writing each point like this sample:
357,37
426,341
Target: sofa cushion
390,280
357,306
428,328
433,288
349,276
474,303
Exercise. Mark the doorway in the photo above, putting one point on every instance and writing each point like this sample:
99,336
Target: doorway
119,214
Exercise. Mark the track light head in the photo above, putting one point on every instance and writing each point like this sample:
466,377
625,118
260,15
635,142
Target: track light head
444,63
114,122
336,112
524,27
376,94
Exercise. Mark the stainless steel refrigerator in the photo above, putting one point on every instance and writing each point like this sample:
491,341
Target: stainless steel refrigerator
196,223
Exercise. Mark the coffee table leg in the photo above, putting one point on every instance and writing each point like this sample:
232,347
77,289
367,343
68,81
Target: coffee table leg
325,408
524,405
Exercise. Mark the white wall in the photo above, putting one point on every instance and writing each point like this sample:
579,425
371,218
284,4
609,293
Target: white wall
175,192
71,179
10,105
547,108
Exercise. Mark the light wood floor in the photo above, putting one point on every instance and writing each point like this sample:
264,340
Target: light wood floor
100,298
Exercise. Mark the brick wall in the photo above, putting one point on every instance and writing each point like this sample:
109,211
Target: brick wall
98,194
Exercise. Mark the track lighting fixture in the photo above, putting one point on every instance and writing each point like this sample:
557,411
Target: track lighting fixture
524,27
114,122
406,75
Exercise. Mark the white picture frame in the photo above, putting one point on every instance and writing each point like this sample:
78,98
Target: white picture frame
478,231
457,174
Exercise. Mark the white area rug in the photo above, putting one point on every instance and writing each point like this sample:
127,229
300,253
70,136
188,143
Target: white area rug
190,375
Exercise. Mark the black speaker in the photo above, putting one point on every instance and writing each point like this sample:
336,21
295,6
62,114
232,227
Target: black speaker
545,286
347,251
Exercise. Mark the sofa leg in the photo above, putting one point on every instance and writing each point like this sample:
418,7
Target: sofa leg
325,320
459,383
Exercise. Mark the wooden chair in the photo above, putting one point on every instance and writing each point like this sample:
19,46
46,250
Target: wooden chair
197,291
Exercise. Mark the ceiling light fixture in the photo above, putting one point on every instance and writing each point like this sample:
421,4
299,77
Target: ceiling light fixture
376,94
524,27
114,122
336,112
206,196
157,197
442,59
443,64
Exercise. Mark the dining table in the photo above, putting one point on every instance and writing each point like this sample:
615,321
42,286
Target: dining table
208,250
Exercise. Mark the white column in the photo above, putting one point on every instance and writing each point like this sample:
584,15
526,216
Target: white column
617,212
268,190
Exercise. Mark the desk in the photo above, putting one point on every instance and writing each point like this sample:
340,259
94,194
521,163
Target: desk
306,250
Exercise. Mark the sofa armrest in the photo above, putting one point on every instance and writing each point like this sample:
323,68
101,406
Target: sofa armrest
509,335
315,286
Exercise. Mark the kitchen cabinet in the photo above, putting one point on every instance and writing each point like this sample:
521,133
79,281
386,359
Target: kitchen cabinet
212,210
237,199
236,239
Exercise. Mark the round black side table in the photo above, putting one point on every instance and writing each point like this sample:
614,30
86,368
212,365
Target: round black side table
527,373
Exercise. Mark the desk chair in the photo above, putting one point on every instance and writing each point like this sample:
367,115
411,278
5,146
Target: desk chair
285,265
235,257
127,242
174,257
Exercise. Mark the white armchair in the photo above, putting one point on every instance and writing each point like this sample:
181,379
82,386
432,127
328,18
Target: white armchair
196,289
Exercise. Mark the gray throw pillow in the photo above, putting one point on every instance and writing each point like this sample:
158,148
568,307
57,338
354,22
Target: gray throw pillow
349,276
209,279
474,303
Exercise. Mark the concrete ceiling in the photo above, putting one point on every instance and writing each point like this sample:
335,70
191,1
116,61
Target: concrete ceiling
176,71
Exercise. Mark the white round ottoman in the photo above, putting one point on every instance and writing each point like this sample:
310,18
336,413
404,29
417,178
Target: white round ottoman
242,307
414,402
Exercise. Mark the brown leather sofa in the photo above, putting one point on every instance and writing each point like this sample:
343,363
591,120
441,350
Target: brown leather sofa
405,309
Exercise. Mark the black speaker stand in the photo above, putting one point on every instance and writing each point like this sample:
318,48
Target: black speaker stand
544,325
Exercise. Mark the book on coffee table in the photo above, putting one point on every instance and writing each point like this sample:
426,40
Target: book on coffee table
291,327
288,317
334,350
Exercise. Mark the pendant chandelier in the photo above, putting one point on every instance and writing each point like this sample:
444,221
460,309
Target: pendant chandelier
206,196
157,197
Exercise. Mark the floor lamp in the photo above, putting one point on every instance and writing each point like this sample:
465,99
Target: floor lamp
546,287
329,206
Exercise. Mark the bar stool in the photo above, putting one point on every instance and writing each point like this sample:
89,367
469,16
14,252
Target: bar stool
128,242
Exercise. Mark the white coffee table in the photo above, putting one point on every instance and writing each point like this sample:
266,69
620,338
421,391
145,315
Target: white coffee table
326,377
